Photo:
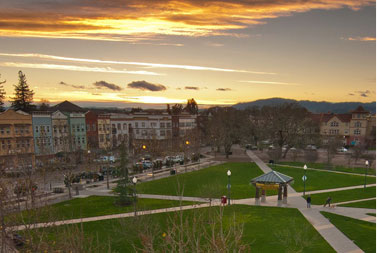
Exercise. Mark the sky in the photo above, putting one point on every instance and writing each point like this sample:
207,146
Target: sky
136,52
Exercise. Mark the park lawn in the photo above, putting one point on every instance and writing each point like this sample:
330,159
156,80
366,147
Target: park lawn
324,166
90,207
208,182
320,180
342,196
265,229
363,233
362,204
371,214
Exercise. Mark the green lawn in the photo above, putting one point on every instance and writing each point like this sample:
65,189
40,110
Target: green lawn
363,233
362,204
209,182
320,180
372,214
90,207
265,229
324,166
342,196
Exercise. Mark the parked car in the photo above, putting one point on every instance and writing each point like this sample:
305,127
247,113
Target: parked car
311,147
342,150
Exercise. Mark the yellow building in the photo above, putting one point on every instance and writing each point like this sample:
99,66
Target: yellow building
16,140
104,131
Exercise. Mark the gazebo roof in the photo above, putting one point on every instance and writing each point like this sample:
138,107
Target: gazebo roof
272,177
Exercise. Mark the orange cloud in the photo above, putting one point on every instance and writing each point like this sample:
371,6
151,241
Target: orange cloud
364,39
136,20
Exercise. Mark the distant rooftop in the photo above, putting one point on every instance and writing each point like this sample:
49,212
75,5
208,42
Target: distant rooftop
67,106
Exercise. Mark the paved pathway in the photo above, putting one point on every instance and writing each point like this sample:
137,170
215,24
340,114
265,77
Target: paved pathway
331,171
354,201
329,232
112,216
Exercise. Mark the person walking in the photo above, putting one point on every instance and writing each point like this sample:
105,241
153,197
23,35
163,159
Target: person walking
308,201
328,201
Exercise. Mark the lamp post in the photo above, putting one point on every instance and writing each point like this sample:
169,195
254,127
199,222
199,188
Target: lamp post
134,181
305,168
366,172
229,174
185,159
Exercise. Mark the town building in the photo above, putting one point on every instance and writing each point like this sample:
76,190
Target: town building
119,129
354,128
16,140
77,127
91,120
60,132
104,132
42,133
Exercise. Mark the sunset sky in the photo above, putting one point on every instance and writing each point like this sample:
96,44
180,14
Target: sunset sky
218,52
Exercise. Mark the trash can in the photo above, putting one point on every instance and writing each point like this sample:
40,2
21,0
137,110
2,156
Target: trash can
172,172
271,162
223,200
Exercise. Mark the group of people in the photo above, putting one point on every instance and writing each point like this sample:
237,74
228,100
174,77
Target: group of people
309,201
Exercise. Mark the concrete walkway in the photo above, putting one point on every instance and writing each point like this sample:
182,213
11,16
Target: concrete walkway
112,216
329,232
354,201
331,171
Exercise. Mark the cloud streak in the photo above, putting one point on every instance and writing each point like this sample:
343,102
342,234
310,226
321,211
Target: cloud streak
223,89
72,85
74,68
269,82
362,39
141,64
191,88
104,84
144,85
136,20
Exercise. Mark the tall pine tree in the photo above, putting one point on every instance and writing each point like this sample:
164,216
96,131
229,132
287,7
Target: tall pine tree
23,96
2,96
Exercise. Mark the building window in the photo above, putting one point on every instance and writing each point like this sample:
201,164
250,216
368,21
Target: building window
48,129
143,124
124,126
83,140
357,124
357,132
162,132
144,132
334,124
334,131
181,124
137,131
153,124
119,126
162,125
36,129
136,124
78,128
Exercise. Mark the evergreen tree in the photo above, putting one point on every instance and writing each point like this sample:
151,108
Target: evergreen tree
2,96
122,188
23,96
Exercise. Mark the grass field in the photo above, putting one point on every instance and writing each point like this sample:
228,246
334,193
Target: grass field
209,182
90,207
363,233
265,229
319,180
324,166
362,204
342,196
212,181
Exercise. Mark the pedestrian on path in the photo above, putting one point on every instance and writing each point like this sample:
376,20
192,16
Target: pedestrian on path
328,201
308,201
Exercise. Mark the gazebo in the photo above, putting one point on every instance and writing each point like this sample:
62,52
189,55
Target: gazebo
271,180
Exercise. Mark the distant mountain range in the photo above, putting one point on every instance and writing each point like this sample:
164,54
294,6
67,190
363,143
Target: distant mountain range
312,106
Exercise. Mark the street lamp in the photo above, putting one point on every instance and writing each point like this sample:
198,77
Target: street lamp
229,174
134,181
305,168
366,172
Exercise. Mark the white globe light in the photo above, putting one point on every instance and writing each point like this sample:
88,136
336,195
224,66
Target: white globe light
229,173
305,167
134,180
366,162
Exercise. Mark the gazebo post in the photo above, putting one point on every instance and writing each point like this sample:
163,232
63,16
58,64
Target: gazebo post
280,195
257,196
263,199
285,194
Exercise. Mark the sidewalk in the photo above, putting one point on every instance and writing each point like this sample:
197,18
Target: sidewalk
329,232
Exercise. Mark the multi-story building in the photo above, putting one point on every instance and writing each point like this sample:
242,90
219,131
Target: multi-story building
104,132
60,132
356,127
42,132
16,140
77,132
119,128
91,120
184,129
